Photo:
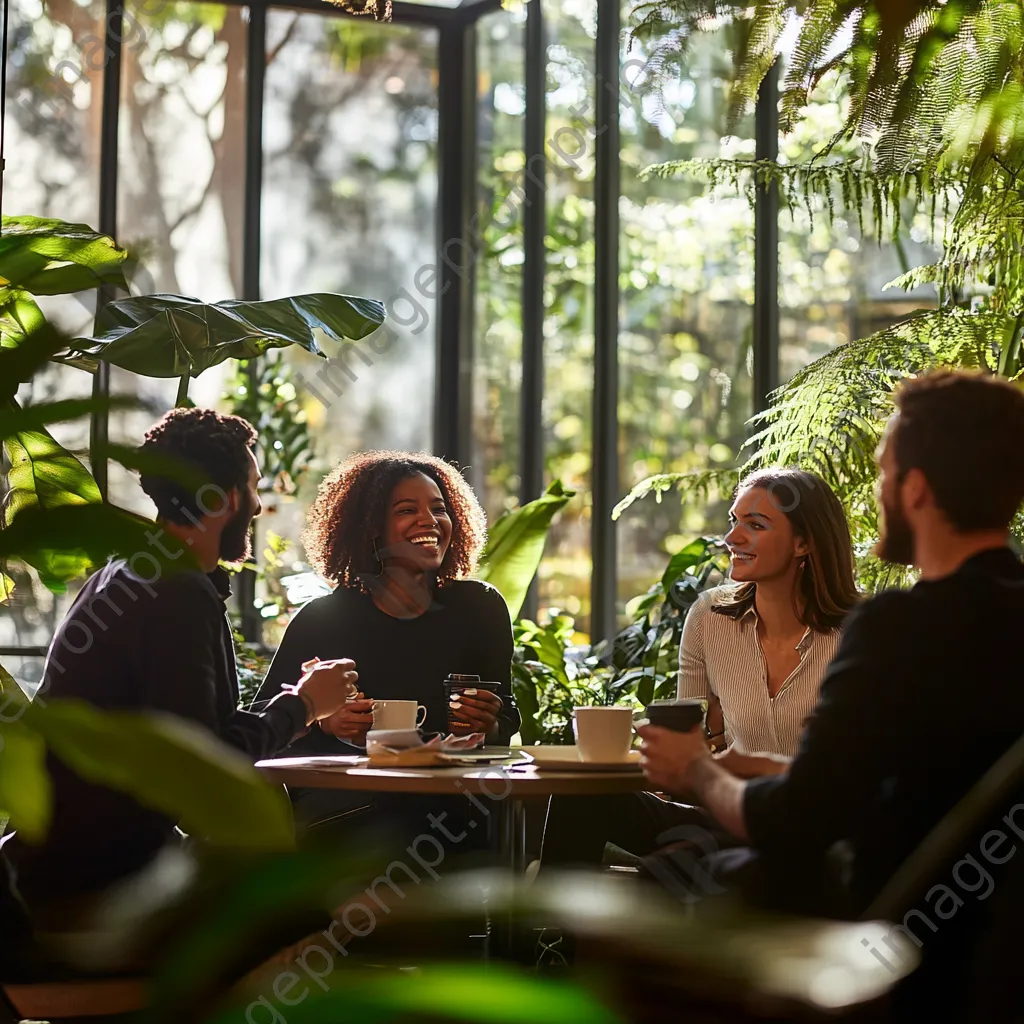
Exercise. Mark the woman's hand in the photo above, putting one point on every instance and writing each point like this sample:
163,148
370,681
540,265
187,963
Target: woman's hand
752,766
478,709
351,722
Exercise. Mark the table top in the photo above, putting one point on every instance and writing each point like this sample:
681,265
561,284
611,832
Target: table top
521,780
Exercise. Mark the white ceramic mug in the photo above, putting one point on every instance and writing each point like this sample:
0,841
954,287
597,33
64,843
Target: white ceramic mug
603,733
398,714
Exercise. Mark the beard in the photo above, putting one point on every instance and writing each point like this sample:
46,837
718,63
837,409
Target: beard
235,542
896,539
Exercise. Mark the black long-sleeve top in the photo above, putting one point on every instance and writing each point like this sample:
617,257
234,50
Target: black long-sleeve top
922,697
128,644
467,630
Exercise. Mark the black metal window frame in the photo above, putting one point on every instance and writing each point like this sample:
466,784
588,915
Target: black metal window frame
457,171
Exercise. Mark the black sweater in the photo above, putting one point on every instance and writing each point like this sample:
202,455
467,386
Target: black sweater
128,644
466,631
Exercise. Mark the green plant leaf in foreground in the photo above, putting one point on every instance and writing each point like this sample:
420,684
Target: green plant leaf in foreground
172,335
61,543
475,993
515,545
14,419
25,792
171,765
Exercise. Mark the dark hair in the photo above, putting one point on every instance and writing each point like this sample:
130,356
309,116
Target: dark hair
351,509
965,432
216,446
816,514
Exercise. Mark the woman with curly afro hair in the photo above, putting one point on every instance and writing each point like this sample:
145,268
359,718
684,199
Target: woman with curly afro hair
399,535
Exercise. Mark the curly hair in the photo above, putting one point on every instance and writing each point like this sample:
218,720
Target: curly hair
218,446
351,509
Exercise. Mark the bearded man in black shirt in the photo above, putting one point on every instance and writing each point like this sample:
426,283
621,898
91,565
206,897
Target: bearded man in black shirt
925,692
150,633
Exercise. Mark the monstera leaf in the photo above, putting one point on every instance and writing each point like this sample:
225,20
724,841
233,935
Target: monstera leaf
174,336
515,545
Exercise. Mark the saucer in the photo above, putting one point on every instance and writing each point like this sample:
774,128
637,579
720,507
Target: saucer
396,739
567,758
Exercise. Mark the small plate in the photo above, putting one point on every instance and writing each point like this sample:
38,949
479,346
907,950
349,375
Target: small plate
567,759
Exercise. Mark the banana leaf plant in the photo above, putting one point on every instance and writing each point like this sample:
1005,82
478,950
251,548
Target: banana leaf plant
176,336
552,672
515,545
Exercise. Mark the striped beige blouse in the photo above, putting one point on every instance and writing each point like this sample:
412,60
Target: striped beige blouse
721,655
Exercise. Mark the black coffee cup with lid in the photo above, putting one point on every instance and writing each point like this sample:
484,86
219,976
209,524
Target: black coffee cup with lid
677,715
454,686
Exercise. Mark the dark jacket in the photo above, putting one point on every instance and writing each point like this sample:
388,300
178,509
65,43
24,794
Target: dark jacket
128,644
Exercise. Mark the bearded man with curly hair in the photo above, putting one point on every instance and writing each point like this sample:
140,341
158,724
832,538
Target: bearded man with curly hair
149,633
399,535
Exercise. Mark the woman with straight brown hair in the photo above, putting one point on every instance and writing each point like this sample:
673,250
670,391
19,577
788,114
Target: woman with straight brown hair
755,648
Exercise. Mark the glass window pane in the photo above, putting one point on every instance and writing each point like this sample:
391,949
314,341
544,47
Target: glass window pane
686,273
350,205
564,577
54,97
498,324
181,165
832,276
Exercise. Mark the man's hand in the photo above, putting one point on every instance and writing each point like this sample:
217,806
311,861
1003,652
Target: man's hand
680,763
352,722
325,686
667,757
478,708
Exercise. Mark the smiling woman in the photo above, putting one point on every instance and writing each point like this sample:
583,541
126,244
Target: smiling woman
757,648
399,534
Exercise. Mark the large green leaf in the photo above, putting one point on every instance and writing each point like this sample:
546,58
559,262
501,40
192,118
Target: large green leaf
20,315
25,792
61,543
25,355
171,765
486,994
171,335
515,545
53,257
15,420
44,476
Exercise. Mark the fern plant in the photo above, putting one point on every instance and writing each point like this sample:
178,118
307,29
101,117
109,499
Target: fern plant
935,122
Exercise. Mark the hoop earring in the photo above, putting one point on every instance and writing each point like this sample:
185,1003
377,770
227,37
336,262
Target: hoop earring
376,555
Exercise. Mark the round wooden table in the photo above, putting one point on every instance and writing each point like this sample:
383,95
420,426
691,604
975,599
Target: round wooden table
497,792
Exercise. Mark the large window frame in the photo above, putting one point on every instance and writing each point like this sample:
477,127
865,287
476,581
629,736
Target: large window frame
457,97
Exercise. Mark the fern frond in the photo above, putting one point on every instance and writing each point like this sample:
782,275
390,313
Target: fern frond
696,485
846,185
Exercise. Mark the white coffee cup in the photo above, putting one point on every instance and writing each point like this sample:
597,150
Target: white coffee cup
603,733
398,714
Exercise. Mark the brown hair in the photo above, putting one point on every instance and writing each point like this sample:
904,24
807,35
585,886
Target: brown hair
816,514
965,432
351,509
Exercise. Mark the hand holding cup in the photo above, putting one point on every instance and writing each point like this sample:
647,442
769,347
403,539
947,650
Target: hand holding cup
352,721
325,686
